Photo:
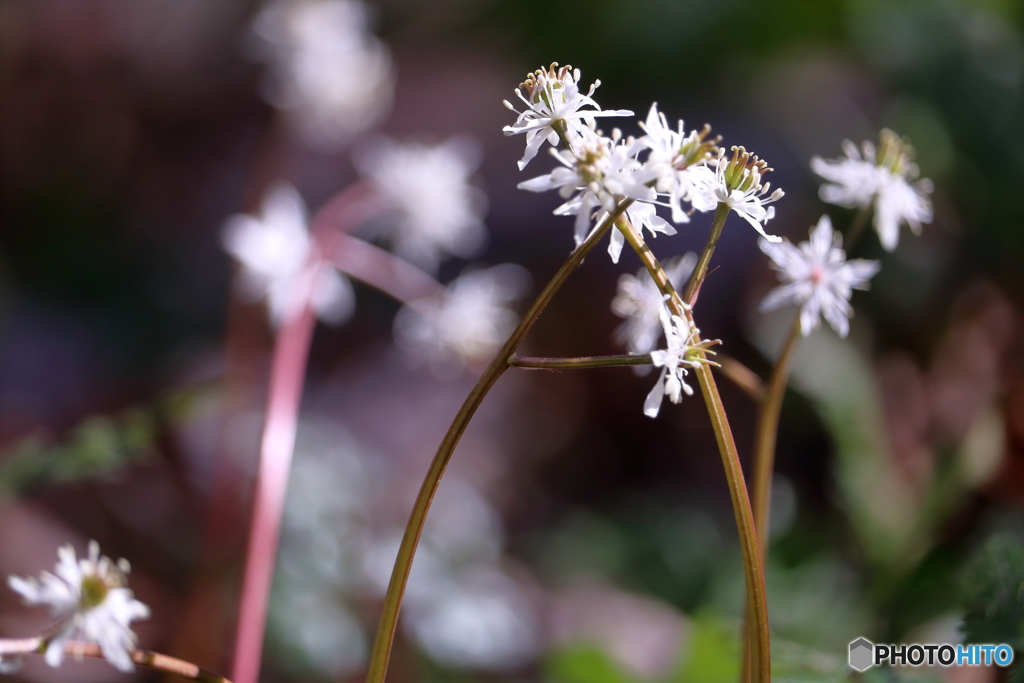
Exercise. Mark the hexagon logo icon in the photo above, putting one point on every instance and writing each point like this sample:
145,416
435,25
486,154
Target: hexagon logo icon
862,654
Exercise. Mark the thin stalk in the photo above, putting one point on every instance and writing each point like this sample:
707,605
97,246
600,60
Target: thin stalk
753,568
767,431
764,462
700,271
860,221
531,362
378,268
153,660
287,375
381,652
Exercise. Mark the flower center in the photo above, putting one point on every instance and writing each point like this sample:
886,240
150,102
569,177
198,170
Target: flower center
94,591
817,275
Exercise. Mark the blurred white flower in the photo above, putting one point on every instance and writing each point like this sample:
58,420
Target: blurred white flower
431,210
467,323
327,70
640,302
480,620
857,181
90,602
680,337
553,99
275,251
677,162
817,277
600,172
738,184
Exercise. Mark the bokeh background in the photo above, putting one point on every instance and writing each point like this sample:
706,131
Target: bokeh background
575,540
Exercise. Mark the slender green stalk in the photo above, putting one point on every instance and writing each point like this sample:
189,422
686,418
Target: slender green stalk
531,362
154,660
860,221
767,431
700,271
381,652
753,569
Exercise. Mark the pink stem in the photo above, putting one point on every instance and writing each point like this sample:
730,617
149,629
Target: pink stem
287,374
379,268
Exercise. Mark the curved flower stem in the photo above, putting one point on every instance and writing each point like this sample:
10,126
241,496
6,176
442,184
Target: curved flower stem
379,268
753,568
767,430
533,363
860,221
153,660
743,377
700,271
381,652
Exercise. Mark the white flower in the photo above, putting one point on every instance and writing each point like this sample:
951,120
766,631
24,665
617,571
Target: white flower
91,603
677,162
640,302
738,184
553,99
857,181
817,277
275,251
431,209
594,177
327,70
467,323
673,361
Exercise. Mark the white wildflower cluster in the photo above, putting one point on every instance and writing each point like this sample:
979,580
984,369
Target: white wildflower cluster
276,252
883,179
817,277
640,302
680,353
598,175
89,602
683,171
327,70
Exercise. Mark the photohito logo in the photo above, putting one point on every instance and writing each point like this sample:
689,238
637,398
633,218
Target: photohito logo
864,654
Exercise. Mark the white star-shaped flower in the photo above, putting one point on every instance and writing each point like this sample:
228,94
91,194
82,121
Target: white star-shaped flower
640,302
817,277
90,601
738,184
328,72
553,98
677,164
467,323
594,177
674,360
431,208
276,250
862,178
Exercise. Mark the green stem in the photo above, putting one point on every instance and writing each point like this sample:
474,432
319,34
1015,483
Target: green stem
753,569
767,431
860,221
764,462
381,652
700,271
531,362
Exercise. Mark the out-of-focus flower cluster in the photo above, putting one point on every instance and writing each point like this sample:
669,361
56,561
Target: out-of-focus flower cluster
327,71
338,548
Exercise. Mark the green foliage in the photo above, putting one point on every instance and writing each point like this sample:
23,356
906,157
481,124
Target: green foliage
995,597
96,447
